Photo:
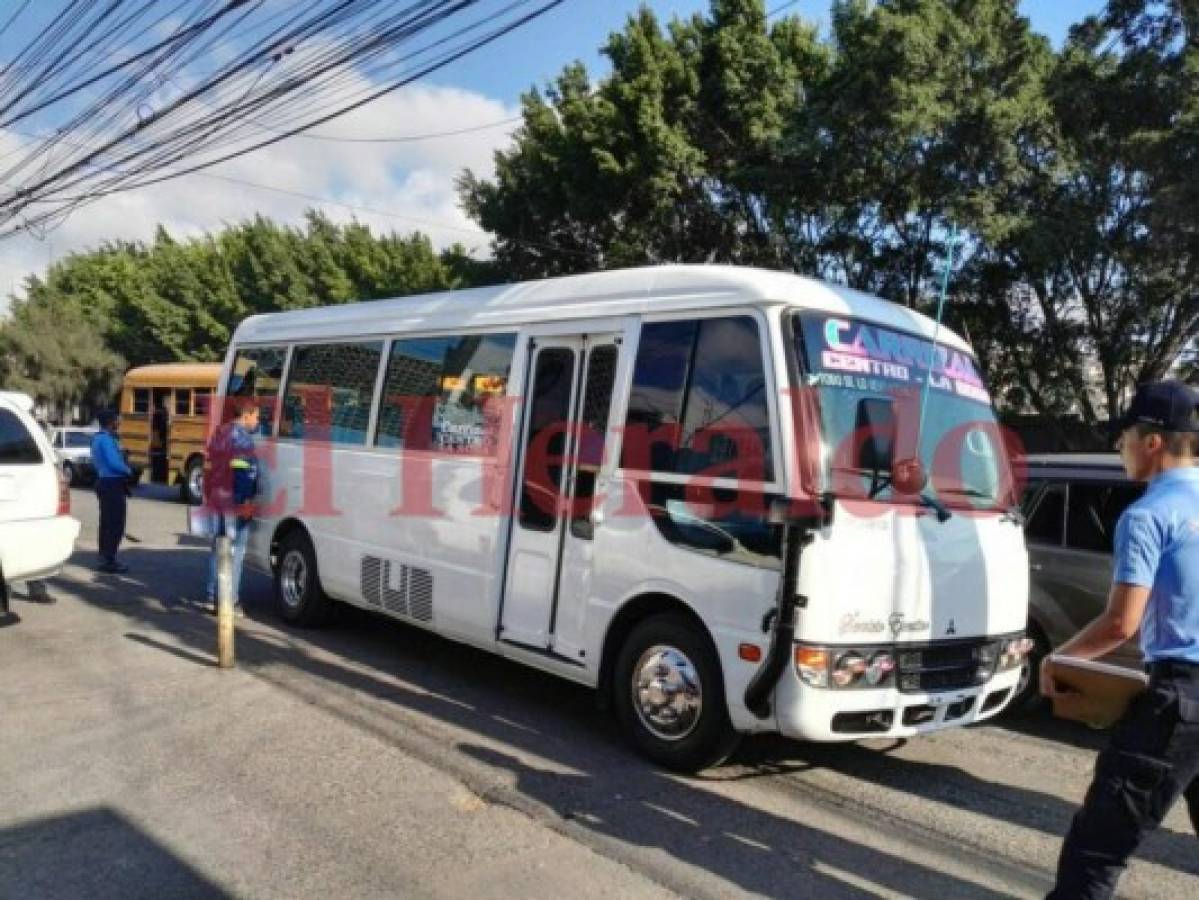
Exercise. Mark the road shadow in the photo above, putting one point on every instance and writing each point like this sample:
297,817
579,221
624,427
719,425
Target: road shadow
515,712
187,655
1039,722
95,853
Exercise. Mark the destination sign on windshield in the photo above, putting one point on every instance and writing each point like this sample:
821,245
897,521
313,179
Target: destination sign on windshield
873,352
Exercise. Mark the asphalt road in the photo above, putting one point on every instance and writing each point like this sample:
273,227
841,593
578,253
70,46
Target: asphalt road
373,760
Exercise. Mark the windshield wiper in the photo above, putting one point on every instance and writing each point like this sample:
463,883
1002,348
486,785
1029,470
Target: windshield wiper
942,511
966,492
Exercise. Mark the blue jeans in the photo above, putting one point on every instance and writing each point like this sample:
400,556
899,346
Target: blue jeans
239,532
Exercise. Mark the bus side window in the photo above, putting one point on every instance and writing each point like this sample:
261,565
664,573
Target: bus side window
413,380
726,416
329,392
183,401
141,400
699,400
442,393
656,400
258,372
202,401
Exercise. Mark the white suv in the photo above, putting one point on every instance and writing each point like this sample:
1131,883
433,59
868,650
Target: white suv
37,532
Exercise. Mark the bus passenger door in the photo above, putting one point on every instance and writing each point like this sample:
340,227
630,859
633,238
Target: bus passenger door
586,487
569,393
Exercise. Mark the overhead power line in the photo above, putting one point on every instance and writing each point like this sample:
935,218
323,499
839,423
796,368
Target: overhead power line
129,94
410,138
782,7
361,208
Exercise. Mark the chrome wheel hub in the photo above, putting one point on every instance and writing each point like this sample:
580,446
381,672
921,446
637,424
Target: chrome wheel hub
195,481
293,578
667,693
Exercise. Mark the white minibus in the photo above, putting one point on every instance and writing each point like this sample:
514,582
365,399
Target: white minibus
730,500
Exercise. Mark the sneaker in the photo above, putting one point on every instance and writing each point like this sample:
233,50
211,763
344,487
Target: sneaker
114,568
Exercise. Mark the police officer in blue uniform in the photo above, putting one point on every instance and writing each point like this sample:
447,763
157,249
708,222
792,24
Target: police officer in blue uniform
112,490
1153,756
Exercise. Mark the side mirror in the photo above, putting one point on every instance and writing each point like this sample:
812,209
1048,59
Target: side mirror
875,429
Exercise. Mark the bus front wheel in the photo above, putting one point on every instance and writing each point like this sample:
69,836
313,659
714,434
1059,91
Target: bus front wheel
298,592
669,695
191,488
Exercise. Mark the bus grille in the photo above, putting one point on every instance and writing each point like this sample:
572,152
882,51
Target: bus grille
398,589
943,667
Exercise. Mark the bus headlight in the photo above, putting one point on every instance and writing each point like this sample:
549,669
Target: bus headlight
1013,653
812,665
845,668
882,664
849,668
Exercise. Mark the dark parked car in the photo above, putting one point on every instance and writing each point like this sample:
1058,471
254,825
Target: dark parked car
1072,504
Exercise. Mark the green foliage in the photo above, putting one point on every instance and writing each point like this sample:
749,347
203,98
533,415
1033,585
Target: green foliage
52,352
94,313
1073,176
1101,271
668,159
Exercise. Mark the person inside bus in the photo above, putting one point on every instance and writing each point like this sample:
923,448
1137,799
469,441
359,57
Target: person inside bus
112,487
231,486
160,427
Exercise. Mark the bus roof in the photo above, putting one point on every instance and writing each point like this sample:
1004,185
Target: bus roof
654,289
174,375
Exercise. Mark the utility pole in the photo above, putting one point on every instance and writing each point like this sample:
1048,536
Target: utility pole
224,602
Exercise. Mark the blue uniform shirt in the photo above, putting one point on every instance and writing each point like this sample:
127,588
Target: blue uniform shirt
1157,546
107,457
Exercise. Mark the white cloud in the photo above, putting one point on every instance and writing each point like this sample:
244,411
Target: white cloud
407,186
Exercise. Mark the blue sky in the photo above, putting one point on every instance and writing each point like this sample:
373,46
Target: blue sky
578,28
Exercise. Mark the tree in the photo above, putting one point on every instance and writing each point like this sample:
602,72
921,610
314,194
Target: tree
667,159
926,117
181,300
1100,267
56,356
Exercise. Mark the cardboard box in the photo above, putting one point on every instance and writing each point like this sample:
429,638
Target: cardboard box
1096,694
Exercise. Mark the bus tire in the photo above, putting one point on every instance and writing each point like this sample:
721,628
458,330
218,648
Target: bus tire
298,593
668,691
191,486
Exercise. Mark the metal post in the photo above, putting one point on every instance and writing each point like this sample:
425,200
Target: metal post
224,602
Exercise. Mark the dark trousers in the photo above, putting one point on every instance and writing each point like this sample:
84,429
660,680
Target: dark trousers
111,493
1152,760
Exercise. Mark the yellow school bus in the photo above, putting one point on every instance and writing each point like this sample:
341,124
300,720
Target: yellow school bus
164,418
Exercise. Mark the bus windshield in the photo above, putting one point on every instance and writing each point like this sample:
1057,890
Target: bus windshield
869,382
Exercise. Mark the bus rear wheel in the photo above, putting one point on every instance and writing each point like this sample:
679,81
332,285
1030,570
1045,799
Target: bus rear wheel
298,593
669,695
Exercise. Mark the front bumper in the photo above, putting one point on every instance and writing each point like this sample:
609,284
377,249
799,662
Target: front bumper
823,714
